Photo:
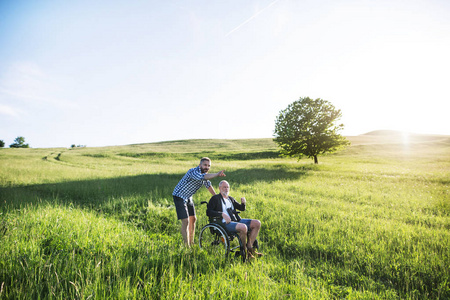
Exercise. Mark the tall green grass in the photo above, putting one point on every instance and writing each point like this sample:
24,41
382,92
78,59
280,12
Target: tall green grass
371,222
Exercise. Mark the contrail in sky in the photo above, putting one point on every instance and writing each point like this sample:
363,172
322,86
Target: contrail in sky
251,18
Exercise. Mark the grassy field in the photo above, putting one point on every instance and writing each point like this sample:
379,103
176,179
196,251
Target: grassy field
370,222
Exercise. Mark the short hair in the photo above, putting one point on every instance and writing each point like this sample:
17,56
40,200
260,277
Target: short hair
220,183
205,158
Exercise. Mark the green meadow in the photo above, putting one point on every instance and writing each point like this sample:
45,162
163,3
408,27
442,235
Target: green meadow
369,222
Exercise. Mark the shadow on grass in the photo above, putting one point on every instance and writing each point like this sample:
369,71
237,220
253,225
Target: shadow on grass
120,191
227,156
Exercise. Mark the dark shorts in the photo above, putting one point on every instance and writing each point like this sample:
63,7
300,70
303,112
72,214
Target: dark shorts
231,227
184,209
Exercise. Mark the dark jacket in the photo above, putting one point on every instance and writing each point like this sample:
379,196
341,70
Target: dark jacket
214,209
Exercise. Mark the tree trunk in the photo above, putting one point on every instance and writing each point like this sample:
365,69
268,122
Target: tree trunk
315,160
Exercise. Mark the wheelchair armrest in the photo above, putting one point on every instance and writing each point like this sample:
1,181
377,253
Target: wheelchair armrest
215,220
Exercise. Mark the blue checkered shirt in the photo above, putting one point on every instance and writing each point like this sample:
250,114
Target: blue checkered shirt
191,182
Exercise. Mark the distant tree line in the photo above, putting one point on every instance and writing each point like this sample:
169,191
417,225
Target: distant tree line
19,142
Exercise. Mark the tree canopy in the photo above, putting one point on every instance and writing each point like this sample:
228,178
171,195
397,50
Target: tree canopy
308,127
19,142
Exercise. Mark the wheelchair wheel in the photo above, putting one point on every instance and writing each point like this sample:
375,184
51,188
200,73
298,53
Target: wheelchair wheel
236,247
214,240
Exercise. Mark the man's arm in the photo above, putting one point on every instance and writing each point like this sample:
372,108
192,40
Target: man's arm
240,206
213,208
214,175
211,190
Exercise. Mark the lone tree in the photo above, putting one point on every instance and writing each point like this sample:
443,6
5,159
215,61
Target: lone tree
19,142
308,127
2,144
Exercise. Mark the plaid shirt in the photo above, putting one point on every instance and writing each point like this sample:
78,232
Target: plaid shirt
191,182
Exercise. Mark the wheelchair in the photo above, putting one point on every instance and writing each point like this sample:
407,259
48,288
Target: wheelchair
216,240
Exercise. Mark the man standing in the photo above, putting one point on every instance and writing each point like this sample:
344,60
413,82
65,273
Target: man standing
191,182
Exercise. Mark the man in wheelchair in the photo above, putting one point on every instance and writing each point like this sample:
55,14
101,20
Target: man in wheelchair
222,209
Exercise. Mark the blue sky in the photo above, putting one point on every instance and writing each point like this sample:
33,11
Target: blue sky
102,73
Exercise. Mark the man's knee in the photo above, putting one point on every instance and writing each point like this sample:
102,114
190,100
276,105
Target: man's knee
185,222
241,228
255,224
192,219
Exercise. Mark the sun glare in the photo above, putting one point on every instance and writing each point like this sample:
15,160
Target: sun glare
405,138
